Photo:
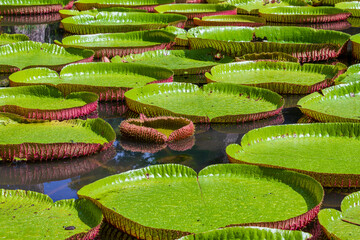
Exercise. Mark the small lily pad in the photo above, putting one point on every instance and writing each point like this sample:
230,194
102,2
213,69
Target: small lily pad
28,54
39,217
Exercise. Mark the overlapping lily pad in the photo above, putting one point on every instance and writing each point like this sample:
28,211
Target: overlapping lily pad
72,12
344,224
182,62
215,102
147,5
178,201
355,39
280,77
293,14
197,10
32,6
328,152
39,217
12,38
253,233
116,78
230,20
334,104
306,44
328,2
111,22
352,74
181,38
352,7
113,44
274,56
46,102
252,6
27,54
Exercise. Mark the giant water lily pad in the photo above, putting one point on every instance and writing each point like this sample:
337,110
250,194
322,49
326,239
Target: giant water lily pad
352,7
215,102
21,140
197,10
12,38
182,62
352,74
252,6
293,14
253,233
71,12
39,217
178,201
147,5
32,6
355,39
113,44
116,78
180,39
306,44
344,224
334,104
111,22
230,20
327,152
46,102
280,77
27,54
16,20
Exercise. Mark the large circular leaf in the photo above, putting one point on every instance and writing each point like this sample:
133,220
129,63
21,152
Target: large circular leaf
216,102
327,152
120,44
334,104
116,78
111,22
169,201
280,77
344,224
27,54
32,215
353,7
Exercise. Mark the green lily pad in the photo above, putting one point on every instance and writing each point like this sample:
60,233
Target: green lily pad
306,44
335,104
355,39
42,140
197,10
215,102
292,14
113,44
352,7
252,6
182,62
328,2
253,233
39,217
280,77
46,102
230,20
327,152
116,78
178,201
111,22
276,56
352,74
181,38
71,12
32,6
27,54
12,38
344,224
140,4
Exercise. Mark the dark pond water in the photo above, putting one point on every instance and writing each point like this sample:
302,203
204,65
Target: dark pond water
62,179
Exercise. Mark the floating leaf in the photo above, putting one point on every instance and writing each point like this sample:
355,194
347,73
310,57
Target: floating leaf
16,20
230,20
181,38
113,44
27,54
182,62
39,217
351,75
116,78
280,77
173,200
71,12
327,152
276,56
355,39
292,14
111,22
216,102
352,7
46,102
33,6
12,38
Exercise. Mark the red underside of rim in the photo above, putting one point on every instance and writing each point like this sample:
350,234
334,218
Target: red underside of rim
35,9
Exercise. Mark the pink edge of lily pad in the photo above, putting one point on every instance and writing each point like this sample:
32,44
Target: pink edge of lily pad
35,9
308,18
320,55
129,129
92,234
44,152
